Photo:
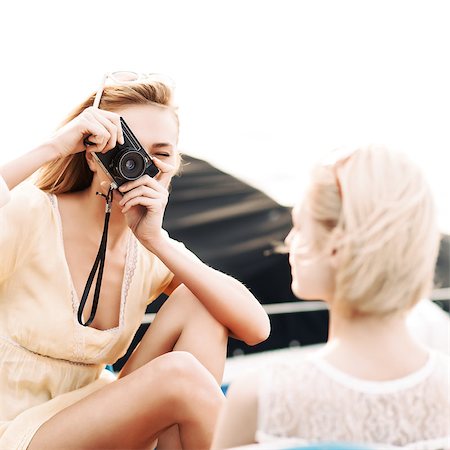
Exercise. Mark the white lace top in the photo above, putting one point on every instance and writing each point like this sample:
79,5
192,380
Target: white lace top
310,400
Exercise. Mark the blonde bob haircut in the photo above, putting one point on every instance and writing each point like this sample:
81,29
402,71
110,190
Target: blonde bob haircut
72,173
375,210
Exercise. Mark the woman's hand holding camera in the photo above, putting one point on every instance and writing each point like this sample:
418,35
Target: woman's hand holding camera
101,128
144,202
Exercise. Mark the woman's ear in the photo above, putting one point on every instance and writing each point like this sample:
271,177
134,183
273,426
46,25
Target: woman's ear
91,161
334,258
333,248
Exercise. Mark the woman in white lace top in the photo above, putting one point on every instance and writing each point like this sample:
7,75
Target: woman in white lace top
365,240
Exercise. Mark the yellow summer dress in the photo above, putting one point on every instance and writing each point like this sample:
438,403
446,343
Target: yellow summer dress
49,361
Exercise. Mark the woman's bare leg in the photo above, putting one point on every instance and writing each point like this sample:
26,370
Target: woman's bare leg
131,412
182,323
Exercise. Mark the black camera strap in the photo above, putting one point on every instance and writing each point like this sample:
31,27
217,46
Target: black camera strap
99,265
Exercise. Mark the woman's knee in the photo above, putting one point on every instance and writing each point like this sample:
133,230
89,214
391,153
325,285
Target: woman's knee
178,367
185,381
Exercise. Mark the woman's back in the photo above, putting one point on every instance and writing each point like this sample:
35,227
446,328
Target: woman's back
311,399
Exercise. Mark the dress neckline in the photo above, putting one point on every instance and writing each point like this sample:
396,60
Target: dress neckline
371,386
128,272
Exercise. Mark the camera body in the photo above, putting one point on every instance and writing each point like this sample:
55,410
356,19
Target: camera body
128,161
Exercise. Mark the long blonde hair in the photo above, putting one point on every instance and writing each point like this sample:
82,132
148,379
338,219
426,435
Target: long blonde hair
376,210
72,173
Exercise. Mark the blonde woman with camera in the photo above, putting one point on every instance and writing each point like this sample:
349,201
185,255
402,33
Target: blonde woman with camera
365,240
54,390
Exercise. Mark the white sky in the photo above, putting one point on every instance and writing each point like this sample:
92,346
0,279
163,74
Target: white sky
264,87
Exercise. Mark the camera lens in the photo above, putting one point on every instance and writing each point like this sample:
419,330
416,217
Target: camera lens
131,165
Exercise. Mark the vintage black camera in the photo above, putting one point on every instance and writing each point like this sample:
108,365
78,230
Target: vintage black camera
128,161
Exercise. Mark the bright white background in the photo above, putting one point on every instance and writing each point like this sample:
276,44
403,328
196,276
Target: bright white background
264,87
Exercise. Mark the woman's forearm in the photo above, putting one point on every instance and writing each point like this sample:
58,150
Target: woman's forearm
228,300
19,169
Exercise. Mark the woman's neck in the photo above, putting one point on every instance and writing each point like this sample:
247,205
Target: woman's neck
347,325
90,208
372,347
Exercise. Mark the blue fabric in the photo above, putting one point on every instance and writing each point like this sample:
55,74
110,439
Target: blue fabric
109,367
329,446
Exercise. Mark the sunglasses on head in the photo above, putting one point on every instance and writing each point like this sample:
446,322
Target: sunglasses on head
127,77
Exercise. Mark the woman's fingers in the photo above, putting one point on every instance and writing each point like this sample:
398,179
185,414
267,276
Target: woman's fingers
97,135
137,192
111,128
166,172
114,119
100,130
150,203
147,191
104,129
144,180
141,191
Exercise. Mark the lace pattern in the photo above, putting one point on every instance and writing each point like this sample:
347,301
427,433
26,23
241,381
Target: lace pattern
300,399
